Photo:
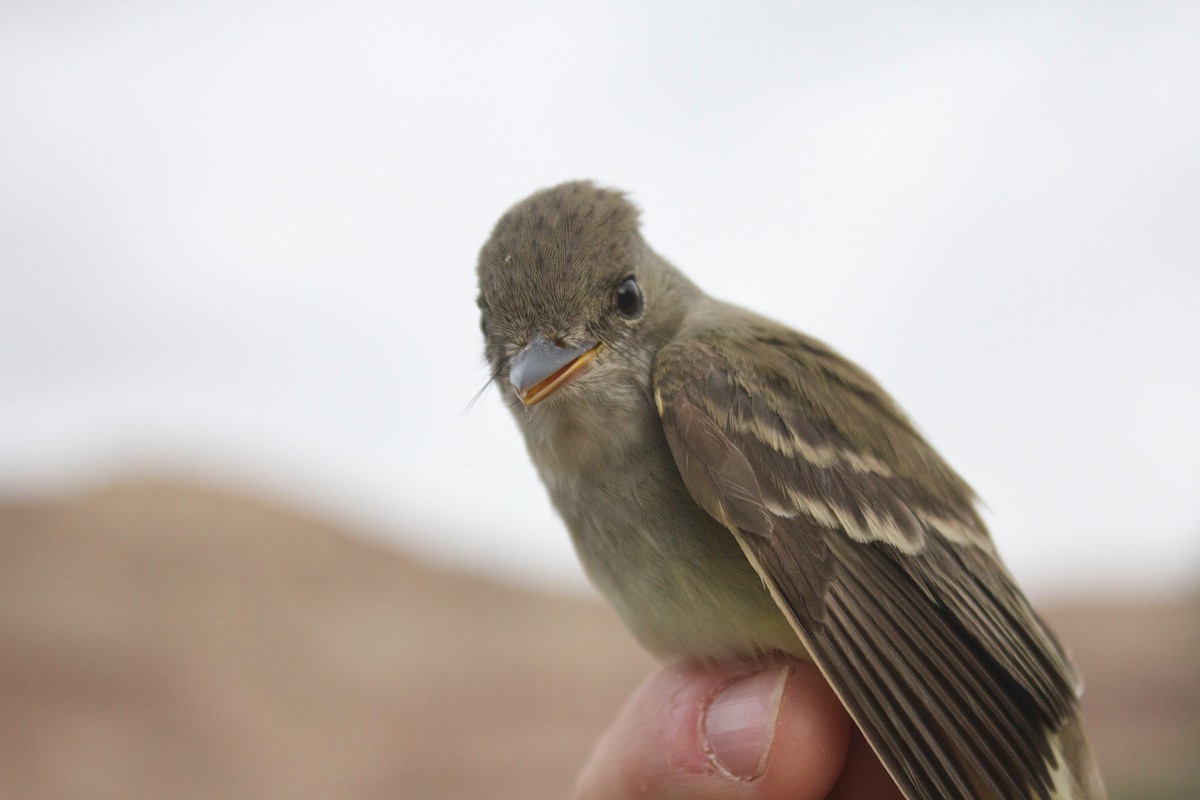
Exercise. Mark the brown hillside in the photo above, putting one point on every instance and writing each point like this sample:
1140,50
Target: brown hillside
159,640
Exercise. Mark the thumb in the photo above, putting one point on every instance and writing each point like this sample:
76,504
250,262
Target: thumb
730,732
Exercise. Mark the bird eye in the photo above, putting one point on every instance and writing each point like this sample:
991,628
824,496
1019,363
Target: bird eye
628,298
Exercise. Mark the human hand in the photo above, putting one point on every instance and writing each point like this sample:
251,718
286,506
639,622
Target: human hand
734,732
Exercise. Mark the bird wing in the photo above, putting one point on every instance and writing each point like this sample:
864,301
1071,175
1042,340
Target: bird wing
871,547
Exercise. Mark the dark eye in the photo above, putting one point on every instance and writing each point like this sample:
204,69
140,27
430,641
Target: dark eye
628,299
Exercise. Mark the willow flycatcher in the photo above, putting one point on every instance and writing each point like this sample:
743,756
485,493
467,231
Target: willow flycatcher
738,489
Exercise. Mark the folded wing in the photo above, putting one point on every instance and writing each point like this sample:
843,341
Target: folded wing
871,546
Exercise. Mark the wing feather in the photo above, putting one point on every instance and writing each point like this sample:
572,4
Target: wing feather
872,548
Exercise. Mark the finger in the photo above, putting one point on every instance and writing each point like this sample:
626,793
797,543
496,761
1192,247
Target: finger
733,732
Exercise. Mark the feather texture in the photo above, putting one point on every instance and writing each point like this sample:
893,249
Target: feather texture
872,547
706,454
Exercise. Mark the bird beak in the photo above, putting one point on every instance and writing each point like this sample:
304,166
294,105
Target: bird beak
542,366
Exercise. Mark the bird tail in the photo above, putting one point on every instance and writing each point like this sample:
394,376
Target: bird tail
1077,776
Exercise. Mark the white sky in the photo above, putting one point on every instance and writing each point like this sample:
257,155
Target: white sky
237,240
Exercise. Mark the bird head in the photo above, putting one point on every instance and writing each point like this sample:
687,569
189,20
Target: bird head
573,303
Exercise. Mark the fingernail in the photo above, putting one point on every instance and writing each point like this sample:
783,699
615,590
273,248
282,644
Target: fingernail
740,723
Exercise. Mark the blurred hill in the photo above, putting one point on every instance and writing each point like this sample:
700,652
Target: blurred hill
166,640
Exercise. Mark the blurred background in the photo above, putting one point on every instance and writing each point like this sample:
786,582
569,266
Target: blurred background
255,539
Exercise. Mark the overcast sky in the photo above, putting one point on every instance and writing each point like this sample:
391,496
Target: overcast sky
237,240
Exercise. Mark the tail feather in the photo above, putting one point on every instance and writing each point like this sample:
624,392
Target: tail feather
1077,776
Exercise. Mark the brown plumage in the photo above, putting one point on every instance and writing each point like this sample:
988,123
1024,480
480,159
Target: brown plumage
738,488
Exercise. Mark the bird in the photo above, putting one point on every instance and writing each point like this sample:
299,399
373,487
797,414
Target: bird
737,489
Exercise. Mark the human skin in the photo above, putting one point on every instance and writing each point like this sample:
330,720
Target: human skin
702,732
